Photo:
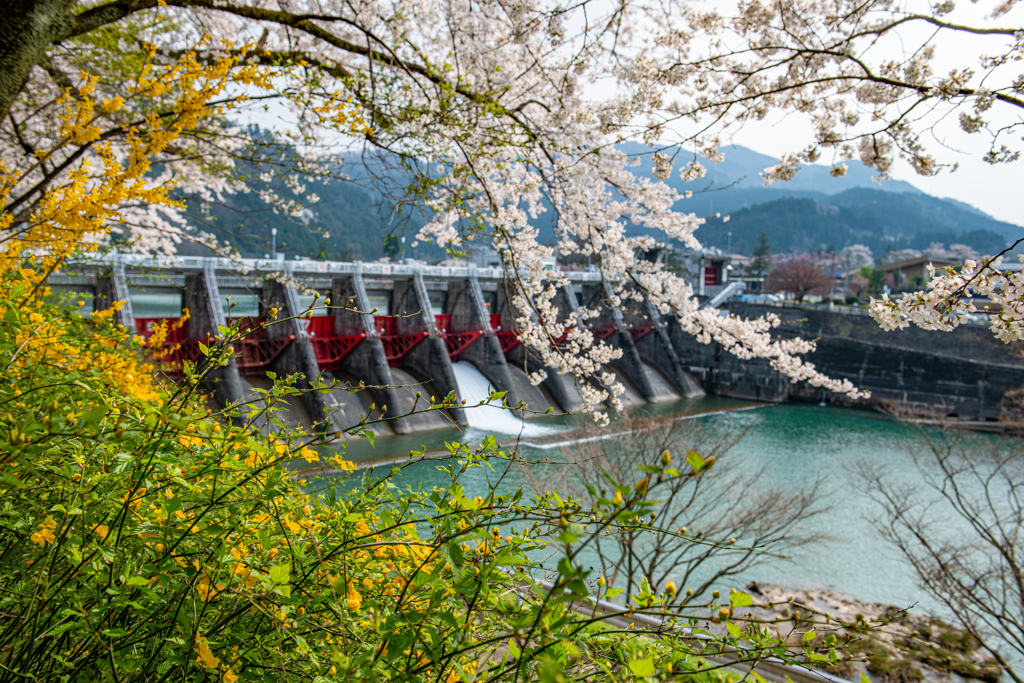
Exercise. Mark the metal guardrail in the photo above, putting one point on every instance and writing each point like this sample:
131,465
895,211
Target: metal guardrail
301,268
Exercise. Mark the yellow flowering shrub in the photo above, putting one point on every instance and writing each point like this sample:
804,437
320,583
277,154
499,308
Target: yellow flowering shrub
144,538
141,534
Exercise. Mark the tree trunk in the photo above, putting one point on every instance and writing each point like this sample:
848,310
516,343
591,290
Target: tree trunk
27,29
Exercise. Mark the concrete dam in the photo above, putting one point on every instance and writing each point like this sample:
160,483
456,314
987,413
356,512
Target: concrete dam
437,330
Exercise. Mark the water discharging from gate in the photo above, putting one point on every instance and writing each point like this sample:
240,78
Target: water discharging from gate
473,387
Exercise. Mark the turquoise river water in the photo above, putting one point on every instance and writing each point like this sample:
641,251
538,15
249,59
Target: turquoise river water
795,443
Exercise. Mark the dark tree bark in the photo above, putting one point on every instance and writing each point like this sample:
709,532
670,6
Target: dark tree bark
27,29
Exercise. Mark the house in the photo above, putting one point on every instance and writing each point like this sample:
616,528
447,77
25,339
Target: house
708,270
913,270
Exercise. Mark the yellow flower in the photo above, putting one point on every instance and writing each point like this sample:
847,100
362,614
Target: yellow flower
344,465
229,676
309,455
45,533
206,657
670,589
43,536
102,531
354,599
110,106
617,499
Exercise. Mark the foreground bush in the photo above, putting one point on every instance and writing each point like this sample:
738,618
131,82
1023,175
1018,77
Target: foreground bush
144,538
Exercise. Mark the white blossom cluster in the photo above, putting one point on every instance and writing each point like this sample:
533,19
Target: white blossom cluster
950,298
864,73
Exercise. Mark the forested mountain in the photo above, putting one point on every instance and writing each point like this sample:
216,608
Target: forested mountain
348,223
815,210
880,220
810,212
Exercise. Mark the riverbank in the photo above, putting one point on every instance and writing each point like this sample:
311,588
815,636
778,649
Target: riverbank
889,643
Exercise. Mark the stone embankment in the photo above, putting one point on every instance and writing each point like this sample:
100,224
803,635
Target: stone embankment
889,643
966,373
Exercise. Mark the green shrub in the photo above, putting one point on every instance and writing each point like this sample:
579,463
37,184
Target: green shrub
144,538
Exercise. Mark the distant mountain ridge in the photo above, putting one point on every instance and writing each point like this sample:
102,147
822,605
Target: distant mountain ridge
812,211
823,211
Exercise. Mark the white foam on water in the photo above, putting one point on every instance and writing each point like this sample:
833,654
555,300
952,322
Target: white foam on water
490,418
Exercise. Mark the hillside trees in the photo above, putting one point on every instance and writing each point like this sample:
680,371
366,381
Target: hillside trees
762,261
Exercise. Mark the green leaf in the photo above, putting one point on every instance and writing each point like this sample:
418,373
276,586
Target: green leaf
864,678
734,630
642,667
61,628
11,315
809,636
452,554
613,592
740,599
280,574
695,460
138,581
94,415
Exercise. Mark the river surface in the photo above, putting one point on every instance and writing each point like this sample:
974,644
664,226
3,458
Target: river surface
795,443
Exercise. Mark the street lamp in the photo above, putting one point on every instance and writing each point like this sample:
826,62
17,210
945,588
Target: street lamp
273,243
729,249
